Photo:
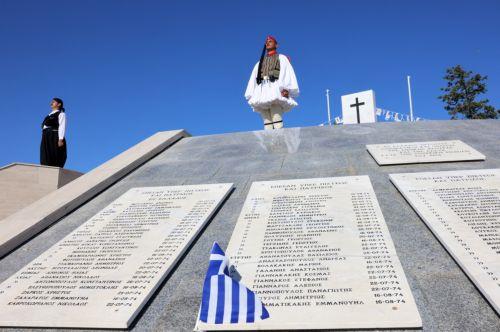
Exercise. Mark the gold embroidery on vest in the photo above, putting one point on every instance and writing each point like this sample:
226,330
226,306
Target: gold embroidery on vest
271,66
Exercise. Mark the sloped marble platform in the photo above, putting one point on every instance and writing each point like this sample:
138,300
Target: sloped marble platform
445,297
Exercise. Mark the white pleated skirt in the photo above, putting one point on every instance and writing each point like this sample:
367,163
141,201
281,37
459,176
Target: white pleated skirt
267,95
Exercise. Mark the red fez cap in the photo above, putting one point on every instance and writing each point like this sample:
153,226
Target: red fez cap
271,38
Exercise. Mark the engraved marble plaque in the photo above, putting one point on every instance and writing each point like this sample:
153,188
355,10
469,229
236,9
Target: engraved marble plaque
319,255
423,152
462,208
103,273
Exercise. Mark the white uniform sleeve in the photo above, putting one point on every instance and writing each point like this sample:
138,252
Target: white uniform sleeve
252,82
62,125
287,79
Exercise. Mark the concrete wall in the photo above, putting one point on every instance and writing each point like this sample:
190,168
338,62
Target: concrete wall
22,184
27,222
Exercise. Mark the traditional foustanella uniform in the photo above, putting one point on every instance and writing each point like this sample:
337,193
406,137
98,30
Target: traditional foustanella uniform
53,130
264,92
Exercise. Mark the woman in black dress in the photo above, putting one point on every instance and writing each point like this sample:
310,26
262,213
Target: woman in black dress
53,146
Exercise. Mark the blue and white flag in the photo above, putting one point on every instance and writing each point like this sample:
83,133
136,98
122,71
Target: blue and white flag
387,115
225,300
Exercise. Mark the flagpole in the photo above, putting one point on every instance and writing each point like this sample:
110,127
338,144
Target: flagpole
409,97
328,107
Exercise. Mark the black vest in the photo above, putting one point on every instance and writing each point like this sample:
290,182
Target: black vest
52,121
271,67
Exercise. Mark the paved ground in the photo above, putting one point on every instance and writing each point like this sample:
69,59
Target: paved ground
446,298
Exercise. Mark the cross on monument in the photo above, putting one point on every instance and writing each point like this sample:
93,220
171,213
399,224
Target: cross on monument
359,107
357,104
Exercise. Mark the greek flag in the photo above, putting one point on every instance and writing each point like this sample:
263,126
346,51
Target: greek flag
226,300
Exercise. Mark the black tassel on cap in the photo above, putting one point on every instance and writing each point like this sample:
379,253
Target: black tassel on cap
259,73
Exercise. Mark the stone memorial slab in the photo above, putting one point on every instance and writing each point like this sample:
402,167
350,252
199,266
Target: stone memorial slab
462,209
103,273
319,255
423,152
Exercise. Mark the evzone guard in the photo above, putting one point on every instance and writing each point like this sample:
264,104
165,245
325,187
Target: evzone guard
272,86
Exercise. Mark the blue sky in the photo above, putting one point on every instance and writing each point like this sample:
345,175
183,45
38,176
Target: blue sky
127,69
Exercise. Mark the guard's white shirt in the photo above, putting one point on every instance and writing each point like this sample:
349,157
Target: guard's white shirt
62,123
